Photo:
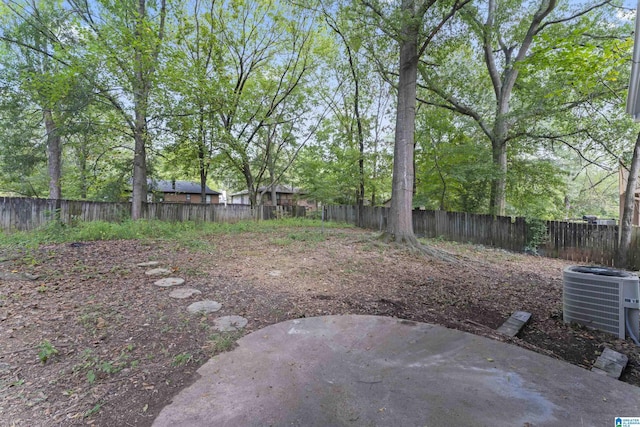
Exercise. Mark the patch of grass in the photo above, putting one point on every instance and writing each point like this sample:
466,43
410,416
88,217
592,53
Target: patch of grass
95,367
195,244
46,351
223,341
281,241
189,233
98,316
307,236
181,359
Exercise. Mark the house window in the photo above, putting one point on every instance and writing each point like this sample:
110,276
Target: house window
188,198
208,199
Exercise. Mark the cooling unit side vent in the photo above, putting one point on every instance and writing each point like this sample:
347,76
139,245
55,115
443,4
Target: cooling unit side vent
597,297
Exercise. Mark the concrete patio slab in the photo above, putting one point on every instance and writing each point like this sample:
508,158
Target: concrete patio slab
378,371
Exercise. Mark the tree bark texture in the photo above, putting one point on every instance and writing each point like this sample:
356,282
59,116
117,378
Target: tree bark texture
144,63
202,156
628,211
54,155
400,224
497,200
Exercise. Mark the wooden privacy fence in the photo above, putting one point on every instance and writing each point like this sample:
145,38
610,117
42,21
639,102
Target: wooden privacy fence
19,213
574,241
501,232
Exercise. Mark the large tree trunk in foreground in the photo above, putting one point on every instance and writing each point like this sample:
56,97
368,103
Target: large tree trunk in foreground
54,156
629,205
400,224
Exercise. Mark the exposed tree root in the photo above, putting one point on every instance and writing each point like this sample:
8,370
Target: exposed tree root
412,244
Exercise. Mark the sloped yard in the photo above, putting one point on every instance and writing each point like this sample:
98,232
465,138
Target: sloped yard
86,338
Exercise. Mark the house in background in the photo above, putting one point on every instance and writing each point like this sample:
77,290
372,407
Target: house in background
285,196
180,192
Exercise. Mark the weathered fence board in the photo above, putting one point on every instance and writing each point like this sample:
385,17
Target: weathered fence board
574,241
20,213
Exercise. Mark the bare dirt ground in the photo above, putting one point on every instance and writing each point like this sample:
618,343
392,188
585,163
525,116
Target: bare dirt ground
91,341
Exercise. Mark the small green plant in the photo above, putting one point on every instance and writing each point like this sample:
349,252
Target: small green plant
182,359
42,289
16,383
46,351
108,367
91,376
93,410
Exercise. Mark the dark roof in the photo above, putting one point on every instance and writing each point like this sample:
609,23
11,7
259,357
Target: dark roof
283,189
184,187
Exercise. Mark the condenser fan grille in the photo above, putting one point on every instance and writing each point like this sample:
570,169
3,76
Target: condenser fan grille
593,304
594,297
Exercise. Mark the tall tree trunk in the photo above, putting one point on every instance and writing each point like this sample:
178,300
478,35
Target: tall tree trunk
203,185
54,155
248,177
503,83
497,200
400,224
360,136
202,157
139,195
360,163
629,205
271,167
82,153
140,98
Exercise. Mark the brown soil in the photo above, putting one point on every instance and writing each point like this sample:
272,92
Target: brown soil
120,348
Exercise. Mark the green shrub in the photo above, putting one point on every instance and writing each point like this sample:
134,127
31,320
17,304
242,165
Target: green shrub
536,234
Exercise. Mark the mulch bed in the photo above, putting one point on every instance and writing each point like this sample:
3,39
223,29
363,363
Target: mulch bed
92,341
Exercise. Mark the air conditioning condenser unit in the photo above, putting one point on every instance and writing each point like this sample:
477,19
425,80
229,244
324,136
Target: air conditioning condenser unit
601,298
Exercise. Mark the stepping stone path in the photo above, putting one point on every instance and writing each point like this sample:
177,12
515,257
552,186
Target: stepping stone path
182,293
157,272
221,324
204,307
148,264
229,323
168,282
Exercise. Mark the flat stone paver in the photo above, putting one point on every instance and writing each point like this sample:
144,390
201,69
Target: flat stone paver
182,293
148,264
610,363
229,323
157,272
204,307
8,275
169,281
380,371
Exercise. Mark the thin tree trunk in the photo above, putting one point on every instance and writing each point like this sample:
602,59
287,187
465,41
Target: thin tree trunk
140,97
54,156
138,197
202,154
629,205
